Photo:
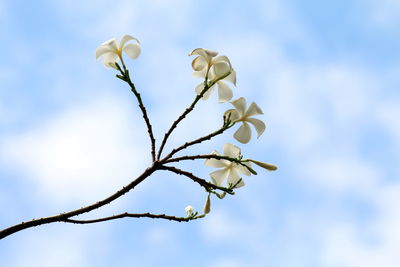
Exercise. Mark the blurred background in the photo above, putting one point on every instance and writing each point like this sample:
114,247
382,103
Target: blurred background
325,73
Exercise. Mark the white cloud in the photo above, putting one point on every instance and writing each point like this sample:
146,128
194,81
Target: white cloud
158,236
3,9
342,174
52,247
100,18
220,227
375,243
388,115
81,154
227,262
383,12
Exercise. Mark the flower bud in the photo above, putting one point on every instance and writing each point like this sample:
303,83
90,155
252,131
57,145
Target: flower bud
264,165
189,210
207,206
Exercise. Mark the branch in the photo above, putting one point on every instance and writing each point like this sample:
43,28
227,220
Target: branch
208,186
187,111
211,156
126,78
136,215
63,216
226,126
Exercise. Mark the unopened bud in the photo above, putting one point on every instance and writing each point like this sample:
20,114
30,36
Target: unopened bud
189,210
207,206
264,165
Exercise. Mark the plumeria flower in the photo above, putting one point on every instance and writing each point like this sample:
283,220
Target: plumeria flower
111,51
240,114
189,211
230,170
216,69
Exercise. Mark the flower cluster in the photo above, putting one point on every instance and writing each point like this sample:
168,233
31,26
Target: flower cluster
215,71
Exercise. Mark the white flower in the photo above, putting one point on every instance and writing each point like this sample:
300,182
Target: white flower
216,69
243,134
111,52
230,170
189,210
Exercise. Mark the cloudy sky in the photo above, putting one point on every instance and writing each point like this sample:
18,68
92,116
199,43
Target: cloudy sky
325,73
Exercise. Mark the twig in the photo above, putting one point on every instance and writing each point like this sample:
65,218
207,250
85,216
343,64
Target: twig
181,117
197,141
198,180
126,78
211,156
135,215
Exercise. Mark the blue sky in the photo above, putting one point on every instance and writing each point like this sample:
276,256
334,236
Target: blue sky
325,73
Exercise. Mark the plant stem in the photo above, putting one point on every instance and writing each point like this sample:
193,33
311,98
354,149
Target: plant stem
64,216
135,215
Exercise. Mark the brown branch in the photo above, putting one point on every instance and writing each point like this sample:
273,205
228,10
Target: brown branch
126,78
207,185
181,117
63,216
135,215
211,156
198,141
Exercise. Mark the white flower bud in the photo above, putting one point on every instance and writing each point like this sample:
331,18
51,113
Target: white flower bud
189,210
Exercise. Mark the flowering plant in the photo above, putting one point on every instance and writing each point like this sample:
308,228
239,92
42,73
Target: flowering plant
214,70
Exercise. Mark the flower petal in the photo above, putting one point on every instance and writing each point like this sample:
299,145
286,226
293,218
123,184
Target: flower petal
258,124
234,178
112,44
219,176
216,163
221,59
199,63
243,134
254,109
240,105
231,151
199,88
200,74
125,39
207,54
224,92
221,69
231,77
208,92
103,49
234,114
109,59
132,50
242,169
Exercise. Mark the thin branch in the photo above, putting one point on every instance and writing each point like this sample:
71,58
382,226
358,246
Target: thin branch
198,141
63,216
135,215
208,186
211,156
126,78
181,117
